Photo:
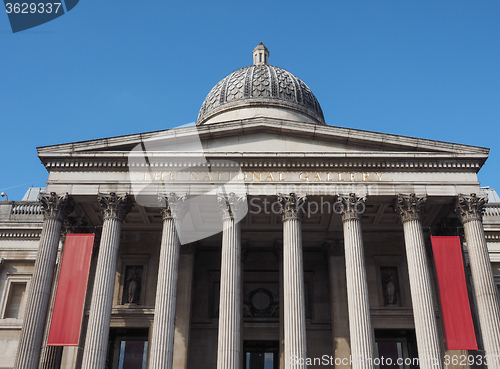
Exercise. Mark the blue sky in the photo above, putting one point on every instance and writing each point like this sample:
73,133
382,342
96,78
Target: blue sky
427,69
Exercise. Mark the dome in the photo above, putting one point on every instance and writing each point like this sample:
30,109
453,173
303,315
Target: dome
260,90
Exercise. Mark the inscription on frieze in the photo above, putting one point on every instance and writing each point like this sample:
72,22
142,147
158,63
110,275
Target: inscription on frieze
254,176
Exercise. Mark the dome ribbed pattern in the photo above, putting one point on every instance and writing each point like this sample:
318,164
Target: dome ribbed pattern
261,85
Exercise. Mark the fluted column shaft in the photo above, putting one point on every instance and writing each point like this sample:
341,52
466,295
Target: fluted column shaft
30,343
334,250
293,282
96,344
183,306
409,209
470,209
162,339
50,357
229,355
421,296
360,327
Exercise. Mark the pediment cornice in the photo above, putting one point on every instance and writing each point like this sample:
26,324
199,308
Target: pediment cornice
374,150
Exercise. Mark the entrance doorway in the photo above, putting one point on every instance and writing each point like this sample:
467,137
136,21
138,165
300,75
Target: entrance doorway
128,348
398,347
261,354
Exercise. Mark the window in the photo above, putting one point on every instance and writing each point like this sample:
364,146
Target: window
15,300
14,297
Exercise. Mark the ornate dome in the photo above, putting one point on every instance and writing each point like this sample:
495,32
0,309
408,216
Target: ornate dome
261,86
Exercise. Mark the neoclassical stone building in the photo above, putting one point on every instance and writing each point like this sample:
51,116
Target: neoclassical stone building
256,239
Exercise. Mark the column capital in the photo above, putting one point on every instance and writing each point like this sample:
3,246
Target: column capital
115,206
350,206
292,206
409,207
470,207
56,206
333,247
174,206
231,204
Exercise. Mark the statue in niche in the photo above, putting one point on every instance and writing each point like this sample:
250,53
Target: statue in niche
390,285
132,290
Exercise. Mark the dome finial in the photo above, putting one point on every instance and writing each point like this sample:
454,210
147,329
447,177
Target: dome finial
260,55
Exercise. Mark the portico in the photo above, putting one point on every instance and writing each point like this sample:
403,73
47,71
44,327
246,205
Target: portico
256,238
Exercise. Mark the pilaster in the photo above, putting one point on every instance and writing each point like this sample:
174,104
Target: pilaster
334,251
183,307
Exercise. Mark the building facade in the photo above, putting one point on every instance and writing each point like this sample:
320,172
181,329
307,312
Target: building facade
260,238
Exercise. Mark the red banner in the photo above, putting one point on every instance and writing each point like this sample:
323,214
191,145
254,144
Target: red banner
457,319
71,289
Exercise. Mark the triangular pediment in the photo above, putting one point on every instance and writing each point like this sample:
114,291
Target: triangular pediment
267,136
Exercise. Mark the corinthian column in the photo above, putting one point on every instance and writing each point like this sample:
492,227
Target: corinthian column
292,211
470,211
360,326
162,339
334,250
55,209
409,209
229,353
115,208
50,356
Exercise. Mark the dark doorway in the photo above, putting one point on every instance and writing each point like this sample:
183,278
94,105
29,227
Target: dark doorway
128,348
261,354
400,346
